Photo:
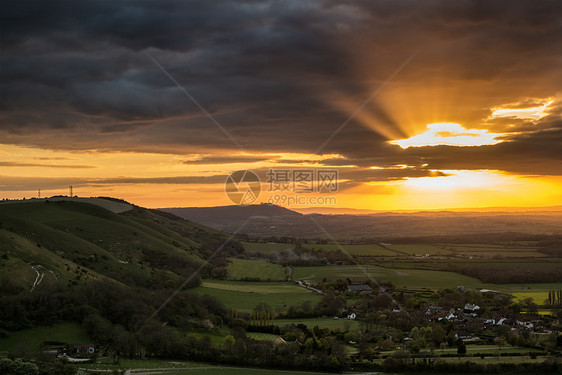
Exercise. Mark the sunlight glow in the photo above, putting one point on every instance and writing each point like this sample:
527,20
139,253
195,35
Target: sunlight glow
458,179
514,110
449,134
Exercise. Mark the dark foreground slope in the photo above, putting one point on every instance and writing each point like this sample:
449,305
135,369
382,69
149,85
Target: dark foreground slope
68,243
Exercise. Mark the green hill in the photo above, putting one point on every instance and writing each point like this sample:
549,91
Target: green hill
69,242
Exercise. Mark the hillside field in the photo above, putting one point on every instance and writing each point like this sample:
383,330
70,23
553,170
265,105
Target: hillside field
244,296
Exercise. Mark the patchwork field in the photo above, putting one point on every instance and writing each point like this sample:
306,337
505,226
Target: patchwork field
255,269
410,278
262,336
244,296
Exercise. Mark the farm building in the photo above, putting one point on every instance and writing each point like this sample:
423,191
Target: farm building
470,308
82,349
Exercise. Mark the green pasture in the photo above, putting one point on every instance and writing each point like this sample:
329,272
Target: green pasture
410,278
244,296
262,336
255,269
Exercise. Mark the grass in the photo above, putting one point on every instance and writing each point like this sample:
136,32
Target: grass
241,268
185,368
71,333
128,363
58,235
244,296
217,370
410,278
262,336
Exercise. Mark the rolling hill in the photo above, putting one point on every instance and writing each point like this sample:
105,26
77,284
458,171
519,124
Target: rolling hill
60,241
269,221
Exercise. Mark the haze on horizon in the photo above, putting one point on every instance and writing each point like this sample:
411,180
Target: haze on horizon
466,106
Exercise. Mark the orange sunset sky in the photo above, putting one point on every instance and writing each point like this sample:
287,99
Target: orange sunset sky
417,105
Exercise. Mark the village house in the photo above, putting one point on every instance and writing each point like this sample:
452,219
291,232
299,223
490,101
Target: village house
80,349
470,308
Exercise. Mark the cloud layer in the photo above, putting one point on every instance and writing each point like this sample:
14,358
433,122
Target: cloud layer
282,76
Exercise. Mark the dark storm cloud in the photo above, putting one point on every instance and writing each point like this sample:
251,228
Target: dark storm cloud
530,154
75,75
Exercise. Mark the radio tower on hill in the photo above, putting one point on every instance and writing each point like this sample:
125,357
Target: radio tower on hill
70,189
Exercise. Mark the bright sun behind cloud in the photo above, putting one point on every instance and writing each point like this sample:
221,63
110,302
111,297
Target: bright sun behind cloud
449,134
519,110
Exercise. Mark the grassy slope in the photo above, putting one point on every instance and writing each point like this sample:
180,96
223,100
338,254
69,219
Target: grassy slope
62,235
244,296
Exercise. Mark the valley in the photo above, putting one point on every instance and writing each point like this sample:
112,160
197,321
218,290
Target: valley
355,303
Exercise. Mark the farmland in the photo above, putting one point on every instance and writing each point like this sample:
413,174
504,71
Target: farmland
410,278
303,291
244,296
254,269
